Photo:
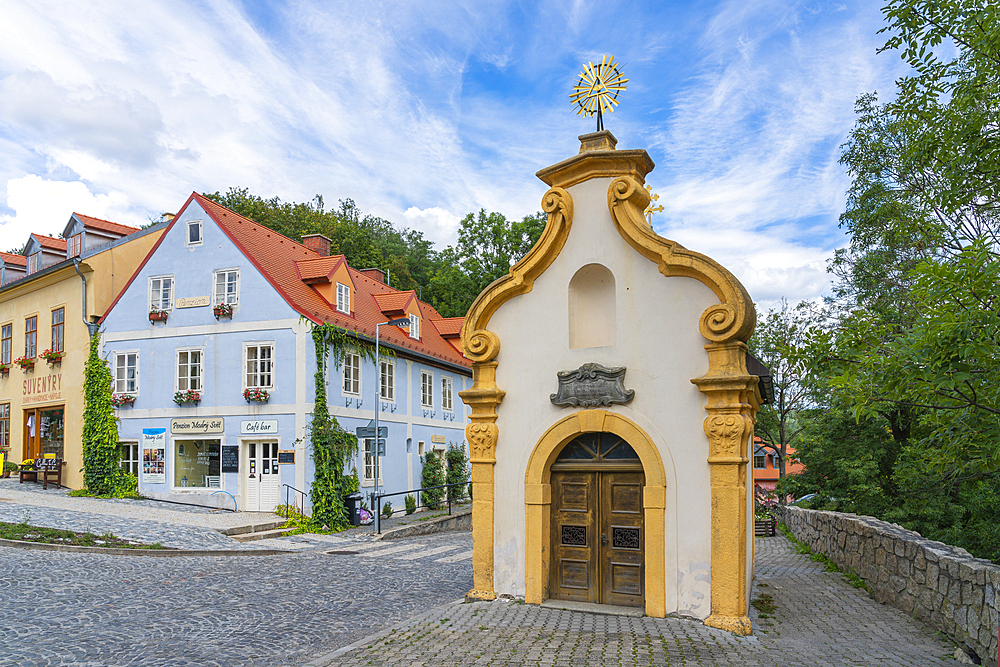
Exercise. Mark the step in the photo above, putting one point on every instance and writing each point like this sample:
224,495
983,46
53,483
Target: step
252,527
262,535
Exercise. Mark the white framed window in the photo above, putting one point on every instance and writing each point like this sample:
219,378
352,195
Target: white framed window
426,389
227,286
75,245
194,232
387,381
352,374
368,463
33,262
161,292
414,327
343,298
259,362
130,457
127,372
446,398
189,369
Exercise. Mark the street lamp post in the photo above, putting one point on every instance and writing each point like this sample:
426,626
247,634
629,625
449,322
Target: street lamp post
398,322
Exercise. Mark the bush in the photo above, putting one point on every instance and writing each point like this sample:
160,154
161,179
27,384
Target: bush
387,509
458,470
433,475
411,504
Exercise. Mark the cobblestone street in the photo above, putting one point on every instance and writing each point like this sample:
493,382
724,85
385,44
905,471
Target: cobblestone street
86,609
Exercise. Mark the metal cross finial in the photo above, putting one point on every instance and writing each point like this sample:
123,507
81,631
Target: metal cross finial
650,210
598,89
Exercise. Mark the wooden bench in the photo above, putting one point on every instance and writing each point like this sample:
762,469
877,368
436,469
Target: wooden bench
49,469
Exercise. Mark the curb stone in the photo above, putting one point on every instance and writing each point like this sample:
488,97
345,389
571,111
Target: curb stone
117,551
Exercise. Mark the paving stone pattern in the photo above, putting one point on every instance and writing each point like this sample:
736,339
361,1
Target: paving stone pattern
86,609
938,583
820,620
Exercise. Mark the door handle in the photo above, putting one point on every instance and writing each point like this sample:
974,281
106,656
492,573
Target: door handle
604,540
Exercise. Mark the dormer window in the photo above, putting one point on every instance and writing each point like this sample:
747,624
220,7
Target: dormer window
75,245
194,232
343,299
33,262
414,327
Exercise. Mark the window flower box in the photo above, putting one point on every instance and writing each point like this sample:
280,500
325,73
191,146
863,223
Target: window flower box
182,397
52,356
256,395
157,315
25,362
4,369
119,400
223,310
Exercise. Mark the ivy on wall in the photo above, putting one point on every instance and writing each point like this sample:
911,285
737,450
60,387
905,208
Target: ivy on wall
102,472
332,446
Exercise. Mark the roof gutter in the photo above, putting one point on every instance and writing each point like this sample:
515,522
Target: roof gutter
91,326
417,355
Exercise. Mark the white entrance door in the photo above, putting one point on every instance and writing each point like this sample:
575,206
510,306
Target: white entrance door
262,488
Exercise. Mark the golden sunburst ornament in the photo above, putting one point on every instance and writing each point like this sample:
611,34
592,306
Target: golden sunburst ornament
598,89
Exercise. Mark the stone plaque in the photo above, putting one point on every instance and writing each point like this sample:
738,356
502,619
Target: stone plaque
592,385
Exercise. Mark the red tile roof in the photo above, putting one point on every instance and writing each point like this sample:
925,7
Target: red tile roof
105,225
17,260
277,257
393,302
51,243
449,327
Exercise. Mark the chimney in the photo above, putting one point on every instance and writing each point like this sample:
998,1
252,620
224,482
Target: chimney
317,242
375,274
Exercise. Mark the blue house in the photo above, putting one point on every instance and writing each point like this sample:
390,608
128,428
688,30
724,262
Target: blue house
211,350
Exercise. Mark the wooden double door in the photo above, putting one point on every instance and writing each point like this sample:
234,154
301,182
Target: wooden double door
597,533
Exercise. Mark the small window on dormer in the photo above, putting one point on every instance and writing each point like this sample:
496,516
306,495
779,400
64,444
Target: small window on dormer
343,298
414,327
33,262
194,232
75,245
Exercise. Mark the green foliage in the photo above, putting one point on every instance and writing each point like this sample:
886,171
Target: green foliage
331,444
9,466
411,504
23,532
387,508
458,469
102,474
433,474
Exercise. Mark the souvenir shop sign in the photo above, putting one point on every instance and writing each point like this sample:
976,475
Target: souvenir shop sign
197,426
41,389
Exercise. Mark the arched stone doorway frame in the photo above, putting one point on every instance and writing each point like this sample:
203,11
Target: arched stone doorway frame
538,501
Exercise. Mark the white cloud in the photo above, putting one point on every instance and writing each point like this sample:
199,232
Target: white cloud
44,207
435,222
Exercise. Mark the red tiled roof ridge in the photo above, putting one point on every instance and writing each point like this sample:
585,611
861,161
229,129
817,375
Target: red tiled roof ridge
242,218
12,258
449,326
113,224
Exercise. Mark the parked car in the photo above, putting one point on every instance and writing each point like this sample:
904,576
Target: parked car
804,499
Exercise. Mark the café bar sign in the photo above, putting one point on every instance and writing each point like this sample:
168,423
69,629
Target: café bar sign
41,389
258,426
197,426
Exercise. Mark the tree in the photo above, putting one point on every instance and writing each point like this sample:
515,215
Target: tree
777,337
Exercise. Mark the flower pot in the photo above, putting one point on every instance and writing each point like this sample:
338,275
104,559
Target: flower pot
158,316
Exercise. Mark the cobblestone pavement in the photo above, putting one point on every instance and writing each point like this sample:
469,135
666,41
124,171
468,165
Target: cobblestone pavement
112,611
172,525
819,620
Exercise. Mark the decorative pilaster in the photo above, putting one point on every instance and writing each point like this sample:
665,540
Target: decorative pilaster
482,433
731,410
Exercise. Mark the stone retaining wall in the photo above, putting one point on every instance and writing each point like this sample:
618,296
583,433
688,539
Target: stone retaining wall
939,584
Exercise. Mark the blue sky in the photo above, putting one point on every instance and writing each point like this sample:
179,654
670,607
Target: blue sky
424,111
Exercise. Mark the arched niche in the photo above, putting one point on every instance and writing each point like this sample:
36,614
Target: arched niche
592,315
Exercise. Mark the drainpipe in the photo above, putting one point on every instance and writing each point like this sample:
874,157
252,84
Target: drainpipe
91,326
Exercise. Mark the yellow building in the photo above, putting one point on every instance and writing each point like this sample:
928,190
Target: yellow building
47,310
